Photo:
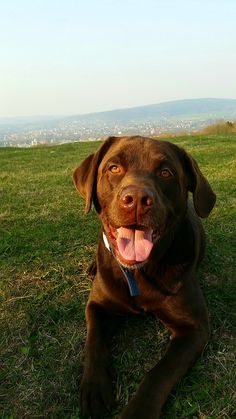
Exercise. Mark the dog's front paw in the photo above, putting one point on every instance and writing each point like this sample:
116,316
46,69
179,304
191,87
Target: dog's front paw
138,412
133,411
141,406
96,396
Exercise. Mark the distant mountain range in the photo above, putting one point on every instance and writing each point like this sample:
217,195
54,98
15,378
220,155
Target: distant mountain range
178,115
177,108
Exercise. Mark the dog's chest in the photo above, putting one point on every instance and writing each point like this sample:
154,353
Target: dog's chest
150,297
152,293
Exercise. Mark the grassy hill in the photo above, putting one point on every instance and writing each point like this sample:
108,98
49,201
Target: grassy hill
46,244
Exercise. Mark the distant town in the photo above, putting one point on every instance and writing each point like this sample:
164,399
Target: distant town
69,132
186,116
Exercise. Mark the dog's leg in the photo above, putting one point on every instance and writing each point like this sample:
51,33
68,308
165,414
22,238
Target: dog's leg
185,346
158,382
96,394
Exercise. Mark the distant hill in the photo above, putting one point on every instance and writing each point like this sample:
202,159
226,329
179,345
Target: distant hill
176,108
179,115
172,109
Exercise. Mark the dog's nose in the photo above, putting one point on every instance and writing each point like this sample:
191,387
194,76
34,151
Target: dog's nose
132,197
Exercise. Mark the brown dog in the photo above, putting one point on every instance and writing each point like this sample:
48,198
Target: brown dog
150,246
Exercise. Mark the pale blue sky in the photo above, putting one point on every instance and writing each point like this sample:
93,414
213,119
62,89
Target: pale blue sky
73,56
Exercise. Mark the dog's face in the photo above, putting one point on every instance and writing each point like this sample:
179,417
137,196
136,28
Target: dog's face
139,187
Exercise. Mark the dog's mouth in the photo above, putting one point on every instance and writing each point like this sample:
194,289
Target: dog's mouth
132,244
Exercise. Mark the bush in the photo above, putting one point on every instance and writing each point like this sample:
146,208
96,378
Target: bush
221,127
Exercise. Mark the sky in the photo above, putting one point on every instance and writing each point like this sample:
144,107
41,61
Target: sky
63,57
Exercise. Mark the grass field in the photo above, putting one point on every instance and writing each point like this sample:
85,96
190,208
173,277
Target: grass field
46,245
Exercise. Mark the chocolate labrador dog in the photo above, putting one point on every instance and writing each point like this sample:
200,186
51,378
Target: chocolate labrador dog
150,246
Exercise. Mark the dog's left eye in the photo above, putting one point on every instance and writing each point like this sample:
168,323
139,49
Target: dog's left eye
165,173
114,169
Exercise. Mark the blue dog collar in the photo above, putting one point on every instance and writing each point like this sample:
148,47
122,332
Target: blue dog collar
131,281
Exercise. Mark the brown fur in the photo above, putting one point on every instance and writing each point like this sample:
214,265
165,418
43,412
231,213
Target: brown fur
167,280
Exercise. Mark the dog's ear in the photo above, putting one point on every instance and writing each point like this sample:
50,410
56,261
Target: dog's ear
203,196
85,176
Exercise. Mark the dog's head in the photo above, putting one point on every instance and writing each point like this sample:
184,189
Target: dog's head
139,187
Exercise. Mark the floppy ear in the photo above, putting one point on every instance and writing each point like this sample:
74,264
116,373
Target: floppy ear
85,176
203,196
83,179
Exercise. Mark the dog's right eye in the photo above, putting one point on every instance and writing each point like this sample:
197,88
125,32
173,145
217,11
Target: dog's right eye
115,169
166,173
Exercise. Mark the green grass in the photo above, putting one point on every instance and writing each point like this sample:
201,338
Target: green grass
46,245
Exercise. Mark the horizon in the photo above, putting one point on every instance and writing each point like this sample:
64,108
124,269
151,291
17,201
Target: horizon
112,110
79,58
189,115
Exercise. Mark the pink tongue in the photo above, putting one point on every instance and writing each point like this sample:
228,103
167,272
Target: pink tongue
134,244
